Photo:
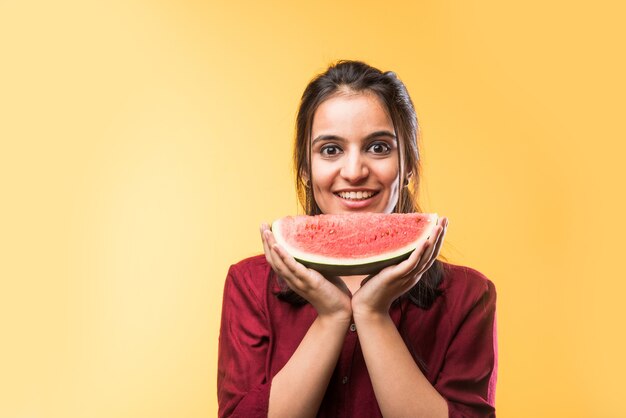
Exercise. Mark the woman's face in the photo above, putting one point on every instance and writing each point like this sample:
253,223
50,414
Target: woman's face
354,155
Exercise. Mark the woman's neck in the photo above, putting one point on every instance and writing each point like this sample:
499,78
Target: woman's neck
353,282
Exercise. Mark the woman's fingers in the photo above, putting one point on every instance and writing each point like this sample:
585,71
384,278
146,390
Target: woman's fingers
266,248
441,238
436,247
297,269
405,267
272,256
295,273
277,260
429,247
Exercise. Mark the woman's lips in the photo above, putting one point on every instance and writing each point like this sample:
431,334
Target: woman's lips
356,200
358,195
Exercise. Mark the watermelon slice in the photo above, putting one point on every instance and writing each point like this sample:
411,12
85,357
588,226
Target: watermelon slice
355,243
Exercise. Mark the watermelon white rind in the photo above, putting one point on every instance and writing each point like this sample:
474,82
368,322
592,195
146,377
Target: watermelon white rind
313,240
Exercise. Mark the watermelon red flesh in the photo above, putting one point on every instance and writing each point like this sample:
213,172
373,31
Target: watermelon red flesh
363,240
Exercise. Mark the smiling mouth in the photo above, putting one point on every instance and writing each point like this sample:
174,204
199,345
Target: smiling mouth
360,195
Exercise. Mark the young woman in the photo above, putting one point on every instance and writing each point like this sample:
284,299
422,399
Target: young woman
417,339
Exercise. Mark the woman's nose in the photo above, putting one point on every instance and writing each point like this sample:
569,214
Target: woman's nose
354,167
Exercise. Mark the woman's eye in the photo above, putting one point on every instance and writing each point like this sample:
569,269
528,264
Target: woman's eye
330,150
380,148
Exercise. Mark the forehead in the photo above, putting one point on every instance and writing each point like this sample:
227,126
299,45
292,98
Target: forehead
351,114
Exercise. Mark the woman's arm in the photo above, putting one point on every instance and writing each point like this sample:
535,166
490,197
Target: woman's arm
465,384
298,389
244,389
401,388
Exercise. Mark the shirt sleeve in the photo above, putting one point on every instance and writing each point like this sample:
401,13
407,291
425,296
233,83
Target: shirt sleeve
242,385
468,378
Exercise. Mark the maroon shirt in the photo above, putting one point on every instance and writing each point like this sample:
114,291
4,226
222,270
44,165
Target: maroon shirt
455,340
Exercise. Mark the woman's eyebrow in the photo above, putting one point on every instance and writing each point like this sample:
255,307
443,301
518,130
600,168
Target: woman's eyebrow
379,134
373,135
327,138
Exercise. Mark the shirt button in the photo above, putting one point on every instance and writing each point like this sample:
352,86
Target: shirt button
352,327
344,380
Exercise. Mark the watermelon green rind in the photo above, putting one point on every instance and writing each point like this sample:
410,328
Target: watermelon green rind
354,266
356,269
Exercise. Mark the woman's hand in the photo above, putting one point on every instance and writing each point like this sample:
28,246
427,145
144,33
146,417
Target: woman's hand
378,292
328,295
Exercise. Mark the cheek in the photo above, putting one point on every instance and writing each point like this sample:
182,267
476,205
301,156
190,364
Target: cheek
322,172
320,177
391,175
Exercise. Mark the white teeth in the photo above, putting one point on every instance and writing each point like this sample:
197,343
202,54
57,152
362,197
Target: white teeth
360,195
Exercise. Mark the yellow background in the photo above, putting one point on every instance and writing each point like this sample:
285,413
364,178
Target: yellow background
143,142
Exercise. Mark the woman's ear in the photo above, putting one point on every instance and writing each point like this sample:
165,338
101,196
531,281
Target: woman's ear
407,178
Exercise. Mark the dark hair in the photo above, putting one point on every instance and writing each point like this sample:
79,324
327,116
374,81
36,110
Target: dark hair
357,77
